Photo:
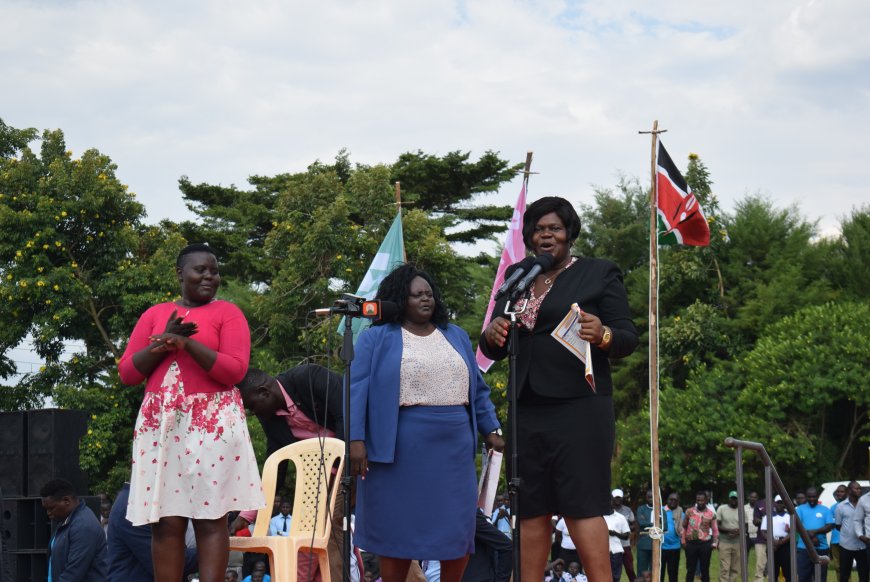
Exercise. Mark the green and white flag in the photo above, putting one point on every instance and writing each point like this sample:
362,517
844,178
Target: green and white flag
390,254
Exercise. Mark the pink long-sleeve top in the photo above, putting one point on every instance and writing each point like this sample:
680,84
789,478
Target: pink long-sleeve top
221,326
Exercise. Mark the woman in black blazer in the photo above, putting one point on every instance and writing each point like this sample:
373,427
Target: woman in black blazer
565,428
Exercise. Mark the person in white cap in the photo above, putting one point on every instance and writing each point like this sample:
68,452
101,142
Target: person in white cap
781,530
628,514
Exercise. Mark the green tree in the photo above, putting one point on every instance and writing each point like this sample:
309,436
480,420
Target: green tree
771,267
77,267
445,186
807,388
850,265
693,424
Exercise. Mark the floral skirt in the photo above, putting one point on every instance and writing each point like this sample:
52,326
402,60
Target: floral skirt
192,455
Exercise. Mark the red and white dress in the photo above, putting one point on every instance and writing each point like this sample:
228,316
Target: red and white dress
192,454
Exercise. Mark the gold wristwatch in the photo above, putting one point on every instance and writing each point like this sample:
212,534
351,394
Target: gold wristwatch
605,339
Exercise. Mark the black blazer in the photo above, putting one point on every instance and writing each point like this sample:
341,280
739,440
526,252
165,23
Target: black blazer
317,392
552,371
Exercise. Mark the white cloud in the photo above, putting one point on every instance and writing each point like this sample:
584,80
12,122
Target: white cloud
772,95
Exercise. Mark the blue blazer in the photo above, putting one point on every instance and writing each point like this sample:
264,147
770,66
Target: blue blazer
79,549
374,389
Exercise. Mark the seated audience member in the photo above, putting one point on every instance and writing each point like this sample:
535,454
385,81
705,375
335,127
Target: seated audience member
77,550
258,574
555,570
231,576
280,524
130,546
574,573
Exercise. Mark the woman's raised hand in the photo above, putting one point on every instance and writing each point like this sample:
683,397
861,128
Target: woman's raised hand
177,326
497,331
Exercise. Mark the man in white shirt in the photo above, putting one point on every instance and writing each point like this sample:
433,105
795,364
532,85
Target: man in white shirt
619,531
280,524
781,530
851,547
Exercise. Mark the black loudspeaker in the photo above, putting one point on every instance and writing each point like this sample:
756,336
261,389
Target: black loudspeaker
16,532
30,566
53,448
26,526
13,432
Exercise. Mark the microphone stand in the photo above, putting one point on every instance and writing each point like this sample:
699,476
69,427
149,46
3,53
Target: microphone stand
514,483
346,354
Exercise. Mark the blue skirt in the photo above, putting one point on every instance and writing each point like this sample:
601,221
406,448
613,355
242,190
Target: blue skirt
422,506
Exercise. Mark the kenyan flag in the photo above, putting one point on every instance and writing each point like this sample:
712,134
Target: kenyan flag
681,220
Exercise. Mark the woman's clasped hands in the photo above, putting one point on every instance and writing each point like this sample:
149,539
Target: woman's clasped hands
175,334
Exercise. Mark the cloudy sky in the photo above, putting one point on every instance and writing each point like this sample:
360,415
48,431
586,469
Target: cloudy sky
773,95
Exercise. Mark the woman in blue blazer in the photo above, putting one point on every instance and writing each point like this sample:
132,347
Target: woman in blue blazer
418,402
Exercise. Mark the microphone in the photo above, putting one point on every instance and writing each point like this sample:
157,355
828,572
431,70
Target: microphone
375,310
521,269
542,263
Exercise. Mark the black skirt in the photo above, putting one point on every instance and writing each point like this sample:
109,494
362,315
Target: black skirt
565,450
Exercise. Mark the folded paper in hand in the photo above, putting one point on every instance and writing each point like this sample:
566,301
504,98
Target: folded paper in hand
567,333
488,485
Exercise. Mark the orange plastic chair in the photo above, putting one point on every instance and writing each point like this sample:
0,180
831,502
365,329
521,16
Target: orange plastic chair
317,489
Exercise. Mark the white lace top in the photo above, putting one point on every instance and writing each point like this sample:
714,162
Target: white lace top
433,373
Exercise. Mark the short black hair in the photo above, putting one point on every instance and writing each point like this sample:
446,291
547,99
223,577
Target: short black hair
543,206
190,249
253,379
704,493
58,489
396,287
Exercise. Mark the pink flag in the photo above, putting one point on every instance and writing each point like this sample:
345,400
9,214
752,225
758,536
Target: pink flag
514,251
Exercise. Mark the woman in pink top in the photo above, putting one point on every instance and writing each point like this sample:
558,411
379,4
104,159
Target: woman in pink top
192,454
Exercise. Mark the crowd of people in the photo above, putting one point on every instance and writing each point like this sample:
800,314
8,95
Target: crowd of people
112,548
838,533
418,407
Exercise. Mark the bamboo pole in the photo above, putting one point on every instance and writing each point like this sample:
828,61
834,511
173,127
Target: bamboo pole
653,358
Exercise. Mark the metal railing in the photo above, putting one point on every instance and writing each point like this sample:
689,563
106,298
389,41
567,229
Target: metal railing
771,482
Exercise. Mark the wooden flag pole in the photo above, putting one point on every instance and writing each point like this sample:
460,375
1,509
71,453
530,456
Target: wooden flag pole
653,360
527,168
399,211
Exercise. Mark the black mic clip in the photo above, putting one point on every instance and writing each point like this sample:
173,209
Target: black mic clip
349,305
